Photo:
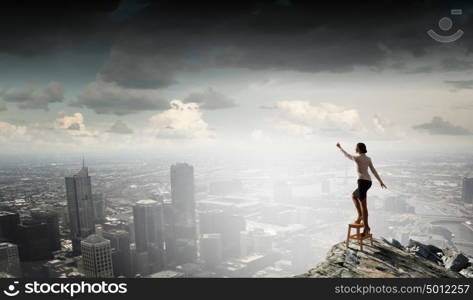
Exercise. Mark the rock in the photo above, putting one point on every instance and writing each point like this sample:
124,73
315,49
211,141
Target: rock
454,260
436,250
426,251
467,272
397,244
381,260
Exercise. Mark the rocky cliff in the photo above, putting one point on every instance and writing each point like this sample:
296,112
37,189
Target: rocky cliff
391,259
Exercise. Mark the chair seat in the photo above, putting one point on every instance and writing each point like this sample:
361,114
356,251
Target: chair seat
354,225
361,237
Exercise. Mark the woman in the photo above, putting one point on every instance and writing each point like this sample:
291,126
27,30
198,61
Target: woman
363,162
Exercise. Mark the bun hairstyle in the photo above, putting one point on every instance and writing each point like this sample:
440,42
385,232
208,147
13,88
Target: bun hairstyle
361,147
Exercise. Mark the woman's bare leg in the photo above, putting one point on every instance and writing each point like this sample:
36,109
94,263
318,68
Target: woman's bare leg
364,214
358,209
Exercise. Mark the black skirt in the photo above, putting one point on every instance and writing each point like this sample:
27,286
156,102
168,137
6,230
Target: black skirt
363,187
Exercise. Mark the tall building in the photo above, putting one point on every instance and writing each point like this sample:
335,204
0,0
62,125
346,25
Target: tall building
263,241
9,226
33,241
467,190
51,218
183,201
231,229
141,263
121,254
80,207
149,233
227,225
96,257
211,251
246,243
9,259
169,233
99,207
211,221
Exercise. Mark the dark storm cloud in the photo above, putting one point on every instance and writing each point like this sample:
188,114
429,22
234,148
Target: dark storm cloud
438,126
308,36
421,69
33,97
127,8
210,99
460,84
150,42
31,28
120,127
456,64
109,98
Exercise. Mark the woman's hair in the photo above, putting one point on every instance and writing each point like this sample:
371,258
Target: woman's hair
361,147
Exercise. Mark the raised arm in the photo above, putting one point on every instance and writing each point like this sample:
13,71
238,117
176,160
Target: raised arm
375,173
348,155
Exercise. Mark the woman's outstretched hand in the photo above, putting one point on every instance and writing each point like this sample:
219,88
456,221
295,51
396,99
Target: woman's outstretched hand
383,186
338,145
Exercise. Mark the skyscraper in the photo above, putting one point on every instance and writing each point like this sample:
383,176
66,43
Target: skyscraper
9,226
149,236
96,257
227,225
211,221
182,194
211,251
169,232
80,207
49,217
9,259
231,228
121,254
99,207
467,190
33,241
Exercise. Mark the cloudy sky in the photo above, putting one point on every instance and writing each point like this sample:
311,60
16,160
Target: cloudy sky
123,75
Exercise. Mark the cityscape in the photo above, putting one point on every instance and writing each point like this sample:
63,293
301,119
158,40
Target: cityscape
241,217
203,139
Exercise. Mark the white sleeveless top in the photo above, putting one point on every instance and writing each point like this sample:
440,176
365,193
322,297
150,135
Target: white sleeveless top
363,162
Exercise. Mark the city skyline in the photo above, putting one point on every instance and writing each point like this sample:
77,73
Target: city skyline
245,224
212,133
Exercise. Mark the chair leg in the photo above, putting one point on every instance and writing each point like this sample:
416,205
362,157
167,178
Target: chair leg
358,237
371,240
348,237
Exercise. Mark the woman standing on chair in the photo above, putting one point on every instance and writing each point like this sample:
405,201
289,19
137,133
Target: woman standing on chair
363,162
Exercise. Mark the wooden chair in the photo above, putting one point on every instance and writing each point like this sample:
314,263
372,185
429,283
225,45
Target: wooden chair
357,236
